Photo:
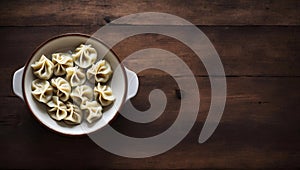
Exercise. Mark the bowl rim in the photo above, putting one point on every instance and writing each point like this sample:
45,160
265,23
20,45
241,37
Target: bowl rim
65,35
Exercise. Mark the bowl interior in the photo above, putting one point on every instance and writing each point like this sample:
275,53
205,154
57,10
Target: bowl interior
64,44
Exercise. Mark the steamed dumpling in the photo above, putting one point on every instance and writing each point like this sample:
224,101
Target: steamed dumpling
41,90
75,76
81,94
104,94
58,109
84,55
61,88
43,68
61,62
100,72
93,111
74,114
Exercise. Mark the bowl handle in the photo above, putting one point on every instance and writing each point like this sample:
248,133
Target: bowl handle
17,82
133,83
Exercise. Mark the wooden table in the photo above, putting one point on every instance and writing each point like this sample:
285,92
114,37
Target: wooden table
258,43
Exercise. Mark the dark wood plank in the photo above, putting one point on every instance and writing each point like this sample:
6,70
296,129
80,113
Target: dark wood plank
244,51
259,129
81,12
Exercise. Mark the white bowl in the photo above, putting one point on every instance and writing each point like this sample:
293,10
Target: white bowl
23,77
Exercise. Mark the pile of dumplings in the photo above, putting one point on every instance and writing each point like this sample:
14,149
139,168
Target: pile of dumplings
62,85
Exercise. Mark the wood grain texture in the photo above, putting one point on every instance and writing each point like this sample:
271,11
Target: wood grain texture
256,131
82,12
258,44
244,51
